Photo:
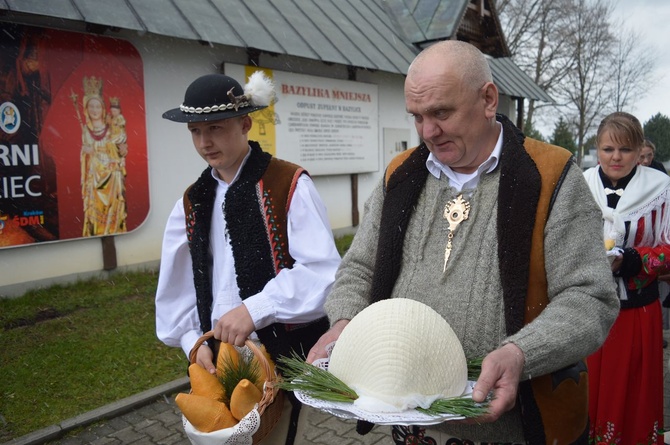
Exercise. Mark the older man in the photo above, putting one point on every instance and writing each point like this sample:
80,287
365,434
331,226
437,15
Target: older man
522,277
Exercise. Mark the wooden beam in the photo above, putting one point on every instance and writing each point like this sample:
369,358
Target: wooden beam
354,200
108,253
351,75
253,56
480,7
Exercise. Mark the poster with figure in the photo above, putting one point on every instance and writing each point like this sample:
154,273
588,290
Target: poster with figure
73,155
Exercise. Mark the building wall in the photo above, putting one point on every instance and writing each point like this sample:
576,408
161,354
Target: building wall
169,66
507,106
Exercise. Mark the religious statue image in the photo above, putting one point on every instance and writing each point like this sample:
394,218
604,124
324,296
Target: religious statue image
117,128
103,153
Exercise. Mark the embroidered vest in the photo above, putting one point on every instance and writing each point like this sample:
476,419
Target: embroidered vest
255,210
554,407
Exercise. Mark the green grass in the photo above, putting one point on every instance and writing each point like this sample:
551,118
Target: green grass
70,349
343,242
65,350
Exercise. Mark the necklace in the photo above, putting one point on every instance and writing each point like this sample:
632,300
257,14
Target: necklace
455,212
97,133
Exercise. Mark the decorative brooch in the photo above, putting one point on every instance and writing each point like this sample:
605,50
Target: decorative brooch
455,212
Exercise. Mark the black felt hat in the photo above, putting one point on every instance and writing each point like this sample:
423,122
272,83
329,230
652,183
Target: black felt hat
213,97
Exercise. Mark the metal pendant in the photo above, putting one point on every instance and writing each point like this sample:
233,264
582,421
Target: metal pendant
455,212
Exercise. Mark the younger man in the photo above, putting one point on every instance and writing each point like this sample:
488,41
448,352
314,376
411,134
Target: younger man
248,250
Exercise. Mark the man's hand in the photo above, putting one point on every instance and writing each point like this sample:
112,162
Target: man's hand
205,358
319,349
501,372
234,327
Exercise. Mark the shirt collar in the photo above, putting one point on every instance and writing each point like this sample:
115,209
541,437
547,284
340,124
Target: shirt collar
436,168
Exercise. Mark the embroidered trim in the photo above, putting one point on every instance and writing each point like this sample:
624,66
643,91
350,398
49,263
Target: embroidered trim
277,243
190,226
610,434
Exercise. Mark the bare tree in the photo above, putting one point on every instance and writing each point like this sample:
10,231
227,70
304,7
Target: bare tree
570,50
586,87
501,5
632,70
535,30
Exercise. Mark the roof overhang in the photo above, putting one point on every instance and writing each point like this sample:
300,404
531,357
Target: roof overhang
513,82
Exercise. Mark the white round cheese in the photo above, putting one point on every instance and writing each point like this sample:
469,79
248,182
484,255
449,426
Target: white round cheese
398,354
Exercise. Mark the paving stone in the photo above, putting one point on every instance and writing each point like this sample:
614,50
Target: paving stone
117,424
339,426
127,435
175,438
156,431
168,418
327,438
163,406
102,430
107,441
74,440
135,416
88,436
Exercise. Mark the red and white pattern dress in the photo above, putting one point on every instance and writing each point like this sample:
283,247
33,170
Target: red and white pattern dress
626,373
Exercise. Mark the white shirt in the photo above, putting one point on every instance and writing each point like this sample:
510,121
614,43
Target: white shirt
295,295
461,181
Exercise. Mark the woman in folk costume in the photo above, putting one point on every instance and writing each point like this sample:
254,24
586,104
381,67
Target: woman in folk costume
626,373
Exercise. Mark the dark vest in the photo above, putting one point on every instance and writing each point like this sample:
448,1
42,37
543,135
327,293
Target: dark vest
554,407
255,210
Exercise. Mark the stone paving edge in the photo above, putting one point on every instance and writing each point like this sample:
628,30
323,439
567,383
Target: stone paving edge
105,412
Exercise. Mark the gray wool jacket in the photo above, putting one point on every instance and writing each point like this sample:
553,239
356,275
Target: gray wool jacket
583,303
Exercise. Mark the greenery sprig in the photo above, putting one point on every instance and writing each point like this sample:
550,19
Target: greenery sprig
298,375
459,406
232,374
474,368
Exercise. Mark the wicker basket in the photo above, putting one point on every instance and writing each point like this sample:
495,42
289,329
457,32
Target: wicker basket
272,401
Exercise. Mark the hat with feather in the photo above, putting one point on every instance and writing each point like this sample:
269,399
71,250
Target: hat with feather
214,97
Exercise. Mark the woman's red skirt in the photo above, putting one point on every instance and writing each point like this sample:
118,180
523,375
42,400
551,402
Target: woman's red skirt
626,380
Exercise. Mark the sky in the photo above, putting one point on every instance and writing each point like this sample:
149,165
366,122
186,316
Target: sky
650,19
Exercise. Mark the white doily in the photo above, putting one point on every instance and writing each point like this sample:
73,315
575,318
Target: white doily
240,434
350,411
